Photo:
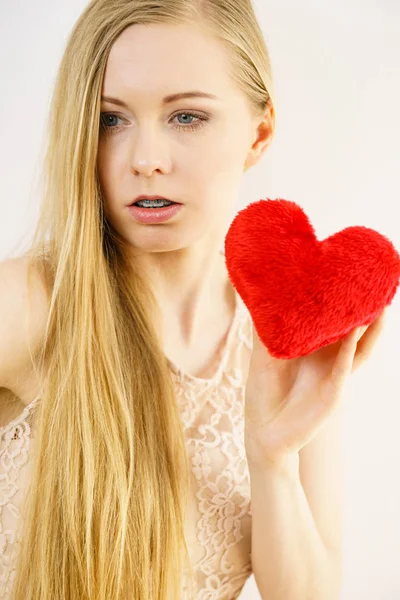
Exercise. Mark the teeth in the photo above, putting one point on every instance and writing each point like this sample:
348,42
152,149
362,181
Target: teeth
156,203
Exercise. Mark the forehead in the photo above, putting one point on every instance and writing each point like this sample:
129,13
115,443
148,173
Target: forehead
164,58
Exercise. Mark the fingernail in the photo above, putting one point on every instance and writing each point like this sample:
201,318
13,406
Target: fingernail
361,331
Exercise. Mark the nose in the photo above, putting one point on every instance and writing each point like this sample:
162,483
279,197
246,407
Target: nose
149,155
146,167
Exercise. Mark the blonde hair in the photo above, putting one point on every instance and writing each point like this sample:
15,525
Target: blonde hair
106,509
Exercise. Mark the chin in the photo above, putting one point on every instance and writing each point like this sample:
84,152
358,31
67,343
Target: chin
159,241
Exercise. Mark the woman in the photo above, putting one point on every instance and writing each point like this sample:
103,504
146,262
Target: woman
156,422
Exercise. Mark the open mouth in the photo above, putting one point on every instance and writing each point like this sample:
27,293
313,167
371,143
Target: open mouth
154,212
151,204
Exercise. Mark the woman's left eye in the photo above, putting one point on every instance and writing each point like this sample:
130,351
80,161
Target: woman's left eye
108,127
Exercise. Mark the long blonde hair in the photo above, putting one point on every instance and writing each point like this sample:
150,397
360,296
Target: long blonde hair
106,509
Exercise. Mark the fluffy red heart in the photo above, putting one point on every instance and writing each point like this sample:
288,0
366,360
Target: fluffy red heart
303,293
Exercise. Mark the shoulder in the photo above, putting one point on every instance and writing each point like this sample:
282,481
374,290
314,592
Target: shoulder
24,304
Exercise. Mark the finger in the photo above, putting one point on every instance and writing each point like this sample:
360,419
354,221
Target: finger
361,331
344,360
369,340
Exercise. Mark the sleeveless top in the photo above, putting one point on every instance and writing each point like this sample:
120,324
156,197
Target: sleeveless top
218,526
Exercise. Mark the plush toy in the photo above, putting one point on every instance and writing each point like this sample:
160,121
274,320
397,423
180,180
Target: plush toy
303,293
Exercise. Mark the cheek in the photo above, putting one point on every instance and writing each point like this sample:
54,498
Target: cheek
102,166
110,168
230,146
220,165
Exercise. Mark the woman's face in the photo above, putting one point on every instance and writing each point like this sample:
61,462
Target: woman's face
189,150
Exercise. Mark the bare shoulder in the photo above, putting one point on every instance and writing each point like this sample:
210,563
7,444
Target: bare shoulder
24,305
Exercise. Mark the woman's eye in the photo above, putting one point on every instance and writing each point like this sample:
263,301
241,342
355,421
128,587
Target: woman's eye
199,121
105,120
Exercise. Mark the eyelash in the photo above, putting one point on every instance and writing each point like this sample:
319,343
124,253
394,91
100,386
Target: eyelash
202,120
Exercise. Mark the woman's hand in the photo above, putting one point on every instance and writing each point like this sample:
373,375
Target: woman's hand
287,401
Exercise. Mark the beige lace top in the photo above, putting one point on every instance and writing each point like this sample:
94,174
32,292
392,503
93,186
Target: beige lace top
218,528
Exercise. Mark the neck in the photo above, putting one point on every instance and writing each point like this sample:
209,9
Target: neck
192,289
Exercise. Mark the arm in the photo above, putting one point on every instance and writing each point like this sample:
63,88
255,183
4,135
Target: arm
290,560
296,521
292,440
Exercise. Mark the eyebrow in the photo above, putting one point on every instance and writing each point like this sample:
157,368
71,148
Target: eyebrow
166,100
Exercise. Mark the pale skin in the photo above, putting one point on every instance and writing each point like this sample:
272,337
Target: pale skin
200,168
292,416
302,393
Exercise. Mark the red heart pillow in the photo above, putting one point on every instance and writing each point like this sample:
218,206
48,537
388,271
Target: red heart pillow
303,293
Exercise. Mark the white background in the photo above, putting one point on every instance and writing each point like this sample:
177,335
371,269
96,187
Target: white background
336,152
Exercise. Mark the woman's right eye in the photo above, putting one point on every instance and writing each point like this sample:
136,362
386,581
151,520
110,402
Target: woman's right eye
106,126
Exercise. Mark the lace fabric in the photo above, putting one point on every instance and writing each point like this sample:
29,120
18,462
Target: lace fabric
16,445
218,526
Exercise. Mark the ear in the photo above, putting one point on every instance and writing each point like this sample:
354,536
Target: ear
263,134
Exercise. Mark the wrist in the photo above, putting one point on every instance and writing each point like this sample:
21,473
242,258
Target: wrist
286,465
